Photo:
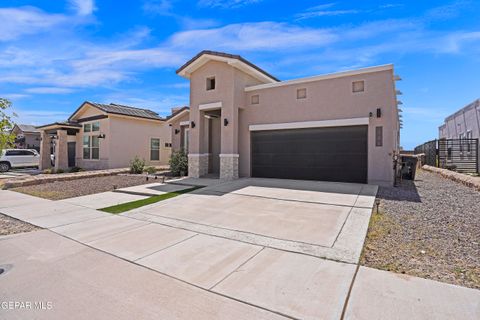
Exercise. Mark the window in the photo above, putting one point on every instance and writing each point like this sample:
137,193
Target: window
95,147
86,147
13,153
358,86
255,99
87,127
211,83
301,93
185,140
96,126
154,149
378,136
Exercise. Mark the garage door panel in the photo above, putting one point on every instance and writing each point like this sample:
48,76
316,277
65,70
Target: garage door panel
330,154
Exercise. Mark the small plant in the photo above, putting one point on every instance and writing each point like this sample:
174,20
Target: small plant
47,171
137,165
150,170
60,171
179,163
76,169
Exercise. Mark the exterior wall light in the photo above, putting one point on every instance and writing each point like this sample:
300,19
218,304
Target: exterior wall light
101,136
225,122
192,125
177,131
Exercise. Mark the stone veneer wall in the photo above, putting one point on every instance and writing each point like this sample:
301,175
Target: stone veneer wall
197,165
229,166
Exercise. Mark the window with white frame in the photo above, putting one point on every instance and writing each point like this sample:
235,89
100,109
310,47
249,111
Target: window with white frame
91,141
154,149
358,86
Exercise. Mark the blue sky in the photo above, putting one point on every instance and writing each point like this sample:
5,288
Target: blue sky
56,54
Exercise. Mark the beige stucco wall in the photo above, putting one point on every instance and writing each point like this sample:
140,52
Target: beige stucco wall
330,99
327,99
125,137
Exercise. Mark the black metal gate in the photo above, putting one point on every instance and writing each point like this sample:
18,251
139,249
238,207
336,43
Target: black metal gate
455,154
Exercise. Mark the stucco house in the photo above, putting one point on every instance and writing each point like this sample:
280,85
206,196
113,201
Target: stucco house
464,123
103,136
244,122
26,136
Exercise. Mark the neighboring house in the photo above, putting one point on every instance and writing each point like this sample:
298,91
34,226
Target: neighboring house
102,136
246,123
179,121
26,136
465,123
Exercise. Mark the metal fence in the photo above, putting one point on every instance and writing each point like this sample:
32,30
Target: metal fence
455,154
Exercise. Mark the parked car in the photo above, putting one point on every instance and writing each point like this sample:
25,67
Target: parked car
18,158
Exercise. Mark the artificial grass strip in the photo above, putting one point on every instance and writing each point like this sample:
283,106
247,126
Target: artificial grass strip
119,208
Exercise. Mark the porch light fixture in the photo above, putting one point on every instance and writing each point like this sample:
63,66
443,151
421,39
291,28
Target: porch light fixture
101,136
177,131
225,122
192,125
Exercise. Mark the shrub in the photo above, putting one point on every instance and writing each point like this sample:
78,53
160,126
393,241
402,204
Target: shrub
76,169
60,171
150,170
137,165
47,171
179,163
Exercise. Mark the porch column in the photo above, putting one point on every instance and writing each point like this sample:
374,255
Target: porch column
198,148
229,143
61,150
45,160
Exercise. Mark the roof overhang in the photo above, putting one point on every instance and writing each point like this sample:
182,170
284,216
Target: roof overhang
178,115
321,77
83,105
59,126
234,62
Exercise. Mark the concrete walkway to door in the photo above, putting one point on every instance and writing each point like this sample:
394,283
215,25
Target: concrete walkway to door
137,266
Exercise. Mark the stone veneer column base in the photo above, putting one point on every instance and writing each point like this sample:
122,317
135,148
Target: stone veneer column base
197,165
229,166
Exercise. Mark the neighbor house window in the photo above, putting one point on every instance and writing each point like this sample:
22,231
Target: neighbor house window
358,86
154,149
91,141
301,93
211,83
255,99
378,136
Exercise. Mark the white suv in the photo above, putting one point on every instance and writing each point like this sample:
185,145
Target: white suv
17,158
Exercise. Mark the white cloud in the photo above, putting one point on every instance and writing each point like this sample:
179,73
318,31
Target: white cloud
83,7
226,3
49,90
161,7
16,22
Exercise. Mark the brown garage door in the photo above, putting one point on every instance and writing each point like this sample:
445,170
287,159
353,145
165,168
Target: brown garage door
329,154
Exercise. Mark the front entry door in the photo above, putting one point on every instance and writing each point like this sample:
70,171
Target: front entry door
71,154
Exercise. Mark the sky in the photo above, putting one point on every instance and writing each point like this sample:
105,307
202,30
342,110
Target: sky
54,55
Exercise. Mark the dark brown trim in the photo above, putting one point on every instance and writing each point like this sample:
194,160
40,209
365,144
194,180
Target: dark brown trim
226,55
99,117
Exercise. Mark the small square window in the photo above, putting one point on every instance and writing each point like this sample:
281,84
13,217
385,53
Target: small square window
87,127
301,93
255,99
358,86
96,126
211,83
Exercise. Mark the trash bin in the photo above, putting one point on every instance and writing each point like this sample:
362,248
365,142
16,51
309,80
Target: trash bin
409,166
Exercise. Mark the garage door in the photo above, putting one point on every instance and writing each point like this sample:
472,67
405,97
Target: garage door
329,154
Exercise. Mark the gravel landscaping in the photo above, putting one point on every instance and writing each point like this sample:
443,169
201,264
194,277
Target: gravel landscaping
10,225
429,228
74,188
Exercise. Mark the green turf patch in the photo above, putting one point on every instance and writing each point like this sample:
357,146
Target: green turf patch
119,208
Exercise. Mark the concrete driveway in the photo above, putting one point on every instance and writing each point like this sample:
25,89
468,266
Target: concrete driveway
20,172
248,249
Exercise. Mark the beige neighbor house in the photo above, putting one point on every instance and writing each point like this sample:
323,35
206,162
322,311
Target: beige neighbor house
243,122
104,136
26,136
